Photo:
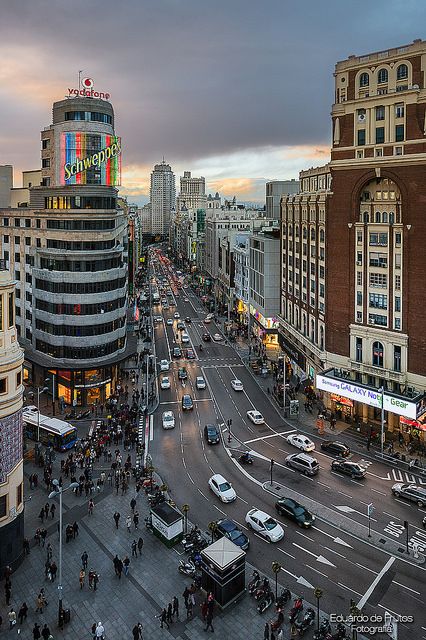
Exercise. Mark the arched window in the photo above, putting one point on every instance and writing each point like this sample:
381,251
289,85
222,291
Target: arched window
322,235
391,217
402,72
313,330
385,217
383,76
377,216
321,338
364,80
366,217
377,354
297,324
304,325
313,234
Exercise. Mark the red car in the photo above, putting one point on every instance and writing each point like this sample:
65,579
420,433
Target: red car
190,354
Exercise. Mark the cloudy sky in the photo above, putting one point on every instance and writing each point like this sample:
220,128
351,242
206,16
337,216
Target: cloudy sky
236,90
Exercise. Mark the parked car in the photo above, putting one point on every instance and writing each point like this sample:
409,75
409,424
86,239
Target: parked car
264,525
237,385
348,468
302,462
411,492
200,383
165,382
255,417
187,403
227,528
335,448
168,420
301,442
222,488
295,511
211,434
182,373
164,365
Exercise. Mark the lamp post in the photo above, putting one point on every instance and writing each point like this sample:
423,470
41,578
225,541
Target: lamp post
318,595
185,509
58,492
271,468
382,426
40,390
284,374
276,568
212,528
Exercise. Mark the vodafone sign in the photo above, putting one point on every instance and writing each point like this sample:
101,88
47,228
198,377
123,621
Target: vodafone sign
86,90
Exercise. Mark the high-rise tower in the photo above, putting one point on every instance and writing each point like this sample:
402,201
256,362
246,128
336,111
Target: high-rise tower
163,198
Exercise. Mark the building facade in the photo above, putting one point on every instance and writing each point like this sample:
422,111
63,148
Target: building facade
163,198
6,184
67,250
275,189
192,192
11,437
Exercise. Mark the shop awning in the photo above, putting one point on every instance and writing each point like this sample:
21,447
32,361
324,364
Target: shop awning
412,423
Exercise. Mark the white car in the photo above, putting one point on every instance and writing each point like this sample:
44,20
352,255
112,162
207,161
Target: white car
184,338
255,416
186,299
168,420
164,365
169,321
165,382
264,525
176,315
200,383
222,488
207,320
217,337
301,442
237,385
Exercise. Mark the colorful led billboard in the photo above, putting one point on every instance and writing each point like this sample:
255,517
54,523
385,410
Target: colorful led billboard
89,158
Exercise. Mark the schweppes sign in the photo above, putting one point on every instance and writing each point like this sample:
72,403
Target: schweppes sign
95,160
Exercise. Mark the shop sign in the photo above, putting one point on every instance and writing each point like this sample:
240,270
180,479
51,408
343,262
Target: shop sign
400,406
96,159
92,385
268,323
291,351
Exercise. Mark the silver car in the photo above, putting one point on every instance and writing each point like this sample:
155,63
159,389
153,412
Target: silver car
411,492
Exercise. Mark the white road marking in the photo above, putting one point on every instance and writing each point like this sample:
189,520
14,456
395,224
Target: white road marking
286,553
272,435
348,588
305,536
318,558
324,485
189,476
203,494
242,499
405,587
334,538
391,515
335,552
220,510
151,427
366,568
316,571
345,494
382,493
367,594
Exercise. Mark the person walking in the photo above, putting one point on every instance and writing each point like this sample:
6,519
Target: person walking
22,614
74,529
209,620
39,603
128,523
140,545
52,510
45,632
95,580
133,504
46,510
163,619
90,507
266,631
53,570
12,618
185,596
136,519
81,578
204,610
126,564
170,613
49,551
119,568
134,549
116,517
175,603
137,631
99,631
36,632
84,560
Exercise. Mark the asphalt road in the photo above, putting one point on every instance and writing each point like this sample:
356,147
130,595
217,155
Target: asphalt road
325,556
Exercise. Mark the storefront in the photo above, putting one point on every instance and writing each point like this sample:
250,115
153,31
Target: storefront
82,388
342,407
265,329
296,357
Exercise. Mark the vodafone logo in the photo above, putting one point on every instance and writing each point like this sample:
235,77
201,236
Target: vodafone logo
87,83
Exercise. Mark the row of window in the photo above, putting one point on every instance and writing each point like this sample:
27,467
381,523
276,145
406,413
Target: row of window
377,354
383,76
378,239
75,331
80,287
81,225
80,309
300,322
92,116
26,222
4,501
79,202
313,233
28,259
380,135
382,217
80,266
80,353
10,311
67,245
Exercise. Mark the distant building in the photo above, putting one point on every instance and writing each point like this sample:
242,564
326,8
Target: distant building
192,192
163,198
6,184
214,202
274,190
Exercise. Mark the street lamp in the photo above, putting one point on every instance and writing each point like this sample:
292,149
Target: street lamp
276,568
382,429
318,596
58,492
39,390
271,468
185,509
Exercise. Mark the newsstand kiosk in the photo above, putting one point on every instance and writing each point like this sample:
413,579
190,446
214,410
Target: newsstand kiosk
167,523
223,567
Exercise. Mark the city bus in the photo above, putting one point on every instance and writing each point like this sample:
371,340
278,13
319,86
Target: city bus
57,433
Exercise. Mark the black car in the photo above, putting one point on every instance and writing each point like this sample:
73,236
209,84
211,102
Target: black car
207,337
335,448
181,326
177,352
228,529
212,434
352,469
188,320
182,374
293,510
187,403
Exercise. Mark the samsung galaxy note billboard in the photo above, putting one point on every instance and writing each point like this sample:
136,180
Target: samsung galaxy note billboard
89,158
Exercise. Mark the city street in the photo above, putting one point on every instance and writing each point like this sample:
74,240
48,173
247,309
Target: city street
336,554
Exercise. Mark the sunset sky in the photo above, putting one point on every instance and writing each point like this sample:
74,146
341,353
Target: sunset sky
238,91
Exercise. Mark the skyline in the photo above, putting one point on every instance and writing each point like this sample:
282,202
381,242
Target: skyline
203,86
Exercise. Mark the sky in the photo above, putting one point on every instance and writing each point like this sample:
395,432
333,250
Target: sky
238,91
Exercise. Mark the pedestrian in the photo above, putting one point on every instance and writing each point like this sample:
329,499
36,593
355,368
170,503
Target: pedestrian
39,603
91,574
84,559
45,632
36,632
126,564
204,610
137,631
93,630
74,529
119,568
95,580
23,611
7,594
46,510
12,618
52,510
170,613
209,620
90,507
134,549
266,631
26,545
132,504
136,519
82,577
140,545
175,607
49,551
163,619
99,631
43,534
128,523
41,515
186,595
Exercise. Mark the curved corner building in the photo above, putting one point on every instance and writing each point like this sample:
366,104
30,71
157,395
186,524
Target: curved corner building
11,446
71,256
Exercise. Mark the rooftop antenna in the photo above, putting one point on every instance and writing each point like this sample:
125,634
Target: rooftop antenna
79,78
